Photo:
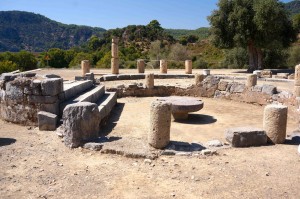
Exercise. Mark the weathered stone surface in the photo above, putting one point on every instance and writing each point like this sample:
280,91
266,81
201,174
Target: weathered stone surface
93,146
137,76
110,77
123,77
222,86
246,137
266,73
275,122
149,81
297,91
85,67
237,88
47,121
188,66
80,123
269,89
163,66
251,80
214,143
257,88
52,86
51,108
141,65
14,92
297,75
114,65
199,78
160,124
42,99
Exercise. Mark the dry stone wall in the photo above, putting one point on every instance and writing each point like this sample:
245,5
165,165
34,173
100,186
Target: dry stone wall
21,98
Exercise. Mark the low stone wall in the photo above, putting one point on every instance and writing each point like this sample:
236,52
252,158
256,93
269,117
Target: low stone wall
21,98
212,87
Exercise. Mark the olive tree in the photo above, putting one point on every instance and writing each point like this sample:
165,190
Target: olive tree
255,25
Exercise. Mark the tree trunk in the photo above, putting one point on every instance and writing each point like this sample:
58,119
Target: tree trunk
252,57
255,57
259,59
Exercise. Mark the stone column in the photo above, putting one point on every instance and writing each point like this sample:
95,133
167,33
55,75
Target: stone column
297,81
199,78
149,78
115,56
160,124
141,66
85,67
275,122
188,66
163,66
251,80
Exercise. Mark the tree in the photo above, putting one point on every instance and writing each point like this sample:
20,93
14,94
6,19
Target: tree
296,22
178,52
57,58
255,25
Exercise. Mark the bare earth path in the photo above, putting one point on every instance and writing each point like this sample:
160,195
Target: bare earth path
36,164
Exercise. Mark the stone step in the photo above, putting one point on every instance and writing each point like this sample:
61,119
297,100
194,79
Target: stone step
74,88
106,103
92,95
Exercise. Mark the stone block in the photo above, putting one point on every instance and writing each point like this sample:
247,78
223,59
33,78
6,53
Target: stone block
297,91
256,88
269,89
137,76
47,121
14,92
52,86
237,88
246,137
110,77
222,86
42,99
123,77
51,108
81,123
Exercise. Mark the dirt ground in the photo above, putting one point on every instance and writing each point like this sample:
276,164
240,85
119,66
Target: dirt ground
36,164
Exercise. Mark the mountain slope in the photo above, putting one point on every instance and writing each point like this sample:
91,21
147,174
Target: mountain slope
24,30
293,7
202,33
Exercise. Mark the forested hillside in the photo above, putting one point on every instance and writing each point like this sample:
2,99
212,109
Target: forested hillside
33,32
293,7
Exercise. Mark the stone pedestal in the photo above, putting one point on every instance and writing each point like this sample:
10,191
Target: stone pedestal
85,67
251,80
115,65
141,66
149,81
199,78
160,124
188,66
163,66
275,121
206,72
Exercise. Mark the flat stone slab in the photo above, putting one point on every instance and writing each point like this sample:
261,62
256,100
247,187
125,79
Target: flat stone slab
246,137
181,106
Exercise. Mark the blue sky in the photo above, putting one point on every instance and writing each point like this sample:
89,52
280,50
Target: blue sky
108,14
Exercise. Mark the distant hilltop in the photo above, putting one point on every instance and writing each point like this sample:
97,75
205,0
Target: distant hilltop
33,32
21,30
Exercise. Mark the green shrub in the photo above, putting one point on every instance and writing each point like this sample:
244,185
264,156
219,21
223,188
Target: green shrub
7,66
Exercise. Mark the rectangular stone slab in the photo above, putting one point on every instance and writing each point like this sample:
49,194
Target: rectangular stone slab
246,137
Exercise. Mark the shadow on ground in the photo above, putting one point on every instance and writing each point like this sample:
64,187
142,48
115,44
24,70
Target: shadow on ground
184,146
294,139
113,119
7,141
198,119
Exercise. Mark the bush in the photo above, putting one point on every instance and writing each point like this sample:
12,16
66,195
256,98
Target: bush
236,58
200,64
294,56
7,66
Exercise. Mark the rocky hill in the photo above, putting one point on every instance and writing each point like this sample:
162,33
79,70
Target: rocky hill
33,32
293,7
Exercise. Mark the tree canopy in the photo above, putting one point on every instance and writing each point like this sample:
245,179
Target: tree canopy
256,25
